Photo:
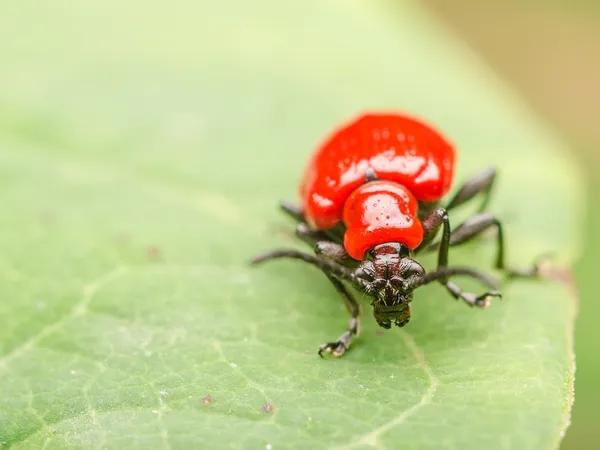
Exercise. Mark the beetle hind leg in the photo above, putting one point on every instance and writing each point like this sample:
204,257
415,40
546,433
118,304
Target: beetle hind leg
480,183
292,210
335,234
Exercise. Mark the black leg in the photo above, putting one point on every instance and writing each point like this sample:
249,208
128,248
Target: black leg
339,347
475,226
336,252
323,246
308,235
442,275
327,266
480,183
481,301
295,212
431,225
335,273
335,234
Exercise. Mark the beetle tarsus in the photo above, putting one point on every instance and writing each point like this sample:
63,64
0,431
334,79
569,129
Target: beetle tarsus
481,301
528,272
339,347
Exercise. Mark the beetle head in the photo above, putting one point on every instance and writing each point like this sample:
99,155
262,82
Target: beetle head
390,274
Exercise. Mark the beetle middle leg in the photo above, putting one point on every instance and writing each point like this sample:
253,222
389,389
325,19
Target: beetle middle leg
475,226
431,224
335,272
335,234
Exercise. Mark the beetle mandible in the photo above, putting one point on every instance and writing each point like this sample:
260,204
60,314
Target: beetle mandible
370,202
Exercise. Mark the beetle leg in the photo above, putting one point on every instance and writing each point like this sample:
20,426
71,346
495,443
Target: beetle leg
335,252
431,224
339,347
326,265
308,235
477,224
294,211
441,275
335,273
481,301
335,234
482,182
324,246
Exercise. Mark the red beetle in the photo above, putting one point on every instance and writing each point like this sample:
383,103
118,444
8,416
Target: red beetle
370,200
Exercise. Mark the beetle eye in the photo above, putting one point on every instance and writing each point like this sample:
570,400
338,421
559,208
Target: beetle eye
361,273
397,282
412,268
379,283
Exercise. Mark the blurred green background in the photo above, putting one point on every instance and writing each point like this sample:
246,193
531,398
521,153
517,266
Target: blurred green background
550,50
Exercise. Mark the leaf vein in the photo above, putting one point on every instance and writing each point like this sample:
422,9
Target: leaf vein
248,380
79,309
371,437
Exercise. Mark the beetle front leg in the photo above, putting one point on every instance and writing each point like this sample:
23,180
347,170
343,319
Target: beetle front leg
339,347
335,272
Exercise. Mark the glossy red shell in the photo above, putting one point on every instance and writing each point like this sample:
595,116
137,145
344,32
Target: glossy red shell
378,212
397,147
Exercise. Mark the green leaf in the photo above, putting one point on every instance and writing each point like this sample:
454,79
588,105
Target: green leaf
143,149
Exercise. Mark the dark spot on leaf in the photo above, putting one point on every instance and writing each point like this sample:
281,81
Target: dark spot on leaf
267,408
154,253
379,333
208,400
